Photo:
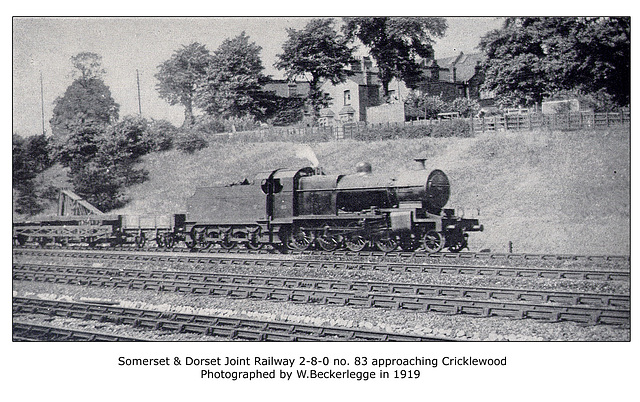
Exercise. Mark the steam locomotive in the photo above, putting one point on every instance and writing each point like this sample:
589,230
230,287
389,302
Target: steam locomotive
287,209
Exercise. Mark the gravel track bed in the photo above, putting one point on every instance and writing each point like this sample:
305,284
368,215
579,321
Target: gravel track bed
397,321
567,285
516,262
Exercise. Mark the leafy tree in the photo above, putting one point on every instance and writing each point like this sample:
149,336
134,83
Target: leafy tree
423,106
465,106
86,101
317,52
29,156
179,76
127,138
22,171
106,162
81,146
87,65
233,82
96,182
396,44
531,58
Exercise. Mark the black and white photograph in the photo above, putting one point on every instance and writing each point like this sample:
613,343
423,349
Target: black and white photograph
374,202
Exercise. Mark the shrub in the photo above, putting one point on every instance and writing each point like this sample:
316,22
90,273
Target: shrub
159,135
423,106
244,123
213,125
452,128
465,106
600,101
127,137
190,141
287,117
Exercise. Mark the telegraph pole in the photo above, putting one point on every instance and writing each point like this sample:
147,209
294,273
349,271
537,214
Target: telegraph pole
139,102
42,102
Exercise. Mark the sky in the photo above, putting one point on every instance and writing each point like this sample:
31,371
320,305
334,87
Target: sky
44,46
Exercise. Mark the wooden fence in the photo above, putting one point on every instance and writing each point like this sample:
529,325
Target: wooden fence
530,121
560,121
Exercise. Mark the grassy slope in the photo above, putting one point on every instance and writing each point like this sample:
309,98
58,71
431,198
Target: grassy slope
545,192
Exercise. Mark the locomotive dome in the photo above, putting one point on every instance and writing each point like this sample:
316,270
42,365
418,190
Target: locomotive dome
363,167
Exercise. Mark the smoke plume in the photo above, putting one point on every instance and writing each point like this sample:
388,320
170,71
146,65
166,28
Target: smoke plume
304,151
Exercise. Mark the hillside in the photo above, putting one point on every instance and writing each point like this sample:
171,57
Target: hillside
563,192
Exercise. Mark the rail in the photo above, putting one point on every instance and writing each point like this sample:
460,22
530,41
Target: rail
401,265
553,306
215,326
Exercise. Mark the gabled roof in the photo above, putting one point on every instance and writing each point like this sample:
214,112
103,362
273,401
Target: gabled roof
465,65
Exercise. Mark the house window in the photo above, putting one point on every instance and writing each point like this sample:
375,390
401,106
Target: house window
347,97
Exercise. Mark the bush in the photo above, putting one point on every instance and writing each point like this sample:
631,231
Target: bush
214,125
190,141
287,117
160,135
423,106
127,138
599,102
452,128
465,106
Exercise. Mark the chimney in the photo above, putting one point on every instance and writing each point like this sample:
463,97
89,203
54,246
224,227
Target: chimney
365,71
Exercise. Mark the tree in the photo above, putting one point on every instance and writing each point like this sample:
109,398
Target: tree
233,81
423,106
103,161
88,65
319,52
529,59
87,101
179,76
30,157
396,44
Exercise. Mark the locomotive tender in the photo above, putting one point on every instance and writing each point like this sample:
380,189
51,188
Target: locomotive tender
291,209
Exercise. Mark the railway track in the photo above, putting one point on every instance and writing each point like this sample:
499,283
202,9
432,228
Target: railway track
221,327
591,308
404,255
243,260
24,331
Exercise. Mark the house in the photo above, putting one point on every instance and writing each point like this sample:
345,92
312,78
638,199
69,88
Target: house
450,78
454,77
349,100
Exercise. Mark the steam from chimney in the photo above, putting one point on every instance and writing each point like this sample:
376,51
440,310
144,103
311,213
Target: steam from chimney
304,151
